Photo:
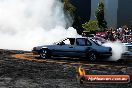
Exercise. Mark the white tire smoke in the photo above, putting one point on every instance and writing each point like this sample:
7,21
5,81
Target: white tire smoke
28,23
117,49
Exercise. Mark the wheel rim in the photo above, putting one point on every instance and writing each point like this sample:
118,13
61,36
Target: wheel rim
43,53
92,57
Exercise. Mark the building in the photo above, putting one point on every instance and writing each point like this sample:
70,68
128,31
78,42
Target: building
117,12
83,8
110,11
124,13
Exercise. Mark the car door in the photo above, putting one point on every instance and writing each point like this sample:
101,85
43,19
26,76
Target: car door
81,45
65,47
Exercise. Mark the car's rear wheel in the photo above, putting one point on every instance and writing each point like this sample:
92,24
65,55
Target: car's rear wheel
44,53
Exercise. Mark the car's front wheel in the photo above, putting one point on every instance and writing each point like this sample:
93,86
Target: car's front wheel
44,53
92,57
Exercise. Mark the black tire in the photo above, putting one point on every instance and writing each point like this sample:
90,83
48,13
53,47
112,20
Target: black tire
92,57
44,53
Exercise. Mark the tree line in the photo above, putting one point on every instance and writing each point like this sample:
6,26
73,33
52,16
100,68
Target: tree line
92,25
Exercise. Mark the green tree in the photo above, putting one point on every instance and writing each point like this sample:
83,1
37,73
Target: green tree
92,25
68,7
100,16
72,10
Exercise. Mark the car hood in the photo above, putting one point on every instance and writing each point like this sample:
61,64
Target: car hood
103,49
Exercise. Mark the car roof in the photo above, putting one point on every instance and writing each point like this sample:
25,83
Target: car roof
76,37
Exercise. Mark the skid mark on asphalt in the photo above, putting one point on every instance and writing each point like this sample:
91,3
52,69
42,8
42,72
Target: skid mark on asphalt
31,57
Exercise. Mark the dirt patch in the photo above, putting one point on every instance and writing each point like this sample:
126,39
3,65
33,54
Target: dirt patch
37,73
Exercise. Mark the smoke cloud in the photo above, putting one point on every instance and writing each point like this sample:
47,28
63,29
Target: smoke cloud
117,49
28,23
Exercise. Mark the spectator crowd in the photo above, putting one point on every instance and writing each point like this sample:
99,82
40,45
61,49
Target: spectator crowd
123,34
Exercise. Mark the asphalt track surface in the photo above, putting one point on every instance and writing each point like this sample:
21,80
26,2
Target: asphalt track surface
20,69
126,60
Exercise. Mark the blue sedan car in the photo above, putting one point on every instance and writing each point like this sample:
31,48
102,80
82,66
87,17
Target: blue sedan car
74,47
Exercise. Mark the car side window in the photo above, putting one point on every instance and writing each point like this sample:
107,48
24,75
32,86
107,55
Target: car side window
67,41
81,42
72,41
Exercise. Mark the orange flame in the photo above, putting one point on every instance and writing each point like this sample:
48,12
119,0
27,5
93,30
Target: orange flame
81,71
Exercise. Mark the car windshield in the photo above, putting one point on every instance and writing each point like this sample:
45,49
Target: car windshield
96,42
98,38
